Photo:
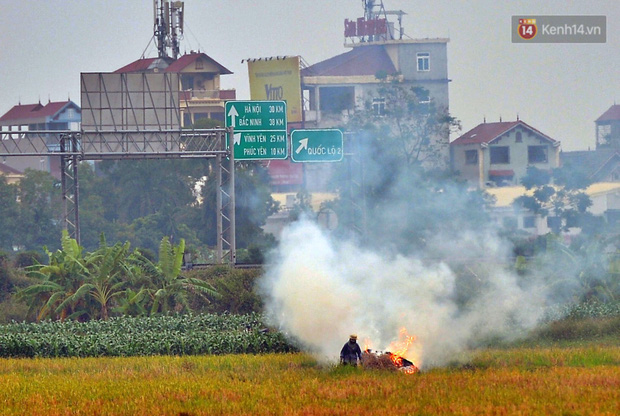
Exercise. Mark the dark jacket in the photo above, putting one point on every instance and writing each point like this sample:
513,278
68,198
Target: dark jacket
350,353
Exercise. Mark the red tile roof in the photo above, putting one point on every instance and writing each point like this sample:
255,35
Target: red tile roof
141,65
361,60
487,132
612,114
182,63
8,170
32,111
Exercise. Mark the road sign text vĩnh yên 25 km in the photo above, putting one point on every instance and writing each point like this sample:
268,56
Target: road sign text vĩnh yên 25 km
317,145
259,129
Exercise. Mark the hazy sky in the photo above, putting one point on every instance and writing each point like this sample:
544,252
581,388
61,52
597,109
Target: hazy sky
558,88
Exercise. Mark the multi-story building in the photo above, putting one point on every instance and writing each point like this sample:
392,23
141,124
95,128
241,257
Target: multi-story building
199,77
334,88
337,85
59,115
498,154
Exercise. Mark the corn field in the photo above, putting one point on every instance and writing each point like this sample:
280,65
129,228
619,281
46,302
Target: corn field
130,336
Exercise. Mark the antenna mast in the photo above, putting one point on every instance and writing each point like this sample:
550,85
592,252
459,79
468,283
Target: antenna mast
168,27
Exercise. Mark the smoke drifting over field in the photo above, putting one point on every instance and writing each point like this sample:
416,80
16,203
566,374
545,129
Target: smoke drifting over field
320,290
449,286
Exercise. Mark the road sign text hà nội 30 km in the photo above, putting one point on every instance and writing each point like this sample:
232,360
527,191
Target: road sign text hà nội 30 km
259,129
320,145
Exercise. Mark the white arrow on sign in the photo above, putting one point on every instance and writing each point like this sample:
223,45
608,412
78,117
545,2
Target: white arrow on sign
303,144
232,113
237,138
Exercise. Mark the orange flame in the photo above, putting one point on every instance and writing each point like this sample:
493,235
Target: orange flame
398,351
401,346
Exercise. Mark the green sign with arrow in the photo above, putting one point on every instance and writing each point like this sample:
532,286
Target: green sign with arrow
320,145
259,129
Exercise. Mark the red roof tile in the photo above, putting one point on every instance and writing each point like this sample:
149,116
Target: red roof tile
8,170
32,111
182,63
361,60
612,114
487,132
136,66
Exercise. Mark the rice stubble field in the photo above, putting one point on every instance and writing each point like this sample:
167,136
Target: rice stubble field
573,380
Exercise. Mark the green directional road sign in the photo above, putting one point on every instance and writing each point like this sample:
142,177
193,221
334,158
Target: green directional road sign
316,145
259,129
260,145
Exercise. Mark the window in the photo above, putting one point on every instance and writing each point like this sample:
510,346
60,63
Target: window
519,137
537,154
471,157
187,82
423,95
554,223
509,222
336,99
187,120
529,221
500,155
378,106
424,61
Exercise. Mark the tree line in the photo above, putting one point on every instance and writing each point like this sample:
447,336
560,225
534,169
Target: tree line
139,201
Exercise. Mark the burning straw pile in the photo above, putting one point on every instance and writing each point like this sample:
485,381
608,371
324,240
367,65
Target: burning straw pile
387,361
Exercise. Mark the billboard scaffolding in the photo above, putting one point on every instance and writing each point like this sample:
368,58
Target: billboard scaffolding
132,116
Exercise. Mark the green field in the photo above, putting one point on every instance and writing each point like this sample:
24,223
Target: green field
564,380
233,365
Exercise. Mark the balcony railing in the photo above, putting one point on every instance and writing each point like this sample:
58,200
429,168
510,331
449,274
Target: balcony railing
189,95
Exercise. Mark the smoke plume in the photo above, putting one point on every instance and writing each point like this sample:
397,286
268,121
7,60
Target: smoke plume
319,289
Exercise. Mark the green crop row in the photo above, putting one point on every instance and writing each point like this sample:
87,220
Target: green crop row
592,309
129,336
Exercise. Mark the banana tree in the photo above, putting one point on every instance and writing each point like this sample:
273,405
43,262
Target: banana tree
167,288
108,274
56,293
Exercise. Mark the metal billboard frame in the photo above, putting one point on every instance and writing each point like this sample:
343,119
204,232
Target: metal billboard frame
126,122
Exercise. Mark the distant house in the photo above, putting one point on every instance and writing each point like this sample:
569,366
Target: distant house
498,154
10,174
338,83
603,163
600,165
608,128
200,92
605,198
59,115
333,88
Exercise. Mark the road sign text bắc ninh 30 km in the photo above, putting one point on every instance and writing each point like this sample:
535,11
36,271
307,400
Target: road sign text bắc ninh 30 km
259,129
318,145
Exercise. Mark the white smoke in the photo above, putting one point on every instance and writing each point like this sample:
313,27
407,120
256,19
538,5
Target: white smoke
318,291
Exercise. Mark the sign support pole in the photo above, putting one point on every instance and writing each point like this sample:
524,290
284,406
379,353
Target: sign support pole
231,205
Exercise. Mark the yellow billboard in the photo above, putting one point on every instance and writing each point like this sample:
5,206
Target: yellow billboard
277,79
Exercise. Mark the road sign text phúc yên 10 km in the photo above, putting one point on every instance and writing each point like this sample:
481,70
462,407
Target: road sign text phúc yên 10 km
259,129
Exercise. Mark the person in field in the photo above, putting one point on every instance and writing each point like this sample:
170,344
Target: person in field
351,352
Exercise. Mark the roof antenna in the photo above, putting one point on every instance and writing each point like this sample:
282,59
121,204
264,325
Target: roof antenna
517,116
484,119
